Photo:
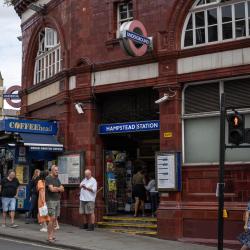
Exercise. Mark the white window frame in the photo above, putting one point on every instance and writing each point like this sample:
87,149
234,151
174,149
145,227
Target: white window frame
119,20
49,60
219,6
204,115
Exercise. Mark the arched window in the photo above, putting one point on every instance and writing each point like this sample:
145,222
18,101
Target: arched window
216,21
48,59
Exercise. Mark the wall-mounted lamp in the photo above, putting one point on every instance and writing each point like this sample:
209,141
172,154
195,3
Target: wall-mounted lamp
79,108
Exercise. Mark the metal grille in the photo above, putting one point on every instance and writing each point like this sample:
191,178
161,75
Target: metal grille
202,98
237,93
137,105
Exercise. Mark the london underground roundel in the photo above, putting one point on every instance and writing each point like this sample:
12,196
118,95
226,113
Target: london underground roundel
12,96
134,38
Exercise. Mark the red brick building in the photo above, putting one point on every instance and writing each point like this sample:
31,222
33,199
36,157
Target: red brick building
71,54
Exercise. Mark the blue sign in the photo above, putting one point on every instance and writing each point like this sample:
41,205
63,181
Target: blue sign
137,38
29,126
129,127
11,96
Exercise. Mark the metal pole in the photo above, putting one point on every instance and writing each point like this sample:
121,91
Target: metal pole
221,173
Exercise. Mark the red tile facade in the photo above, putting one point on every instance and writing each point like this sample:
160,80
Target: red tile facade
87,33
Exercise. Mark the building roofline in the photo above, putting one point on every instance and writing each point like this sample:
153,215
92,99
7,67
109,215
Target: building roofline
21,6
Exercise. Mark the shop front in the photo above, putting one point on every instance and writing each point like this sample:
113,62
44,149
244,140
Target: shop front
27,145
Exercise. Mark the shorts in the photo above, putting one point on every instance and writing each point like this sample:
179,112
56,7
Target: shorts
53,208
87,207
8,204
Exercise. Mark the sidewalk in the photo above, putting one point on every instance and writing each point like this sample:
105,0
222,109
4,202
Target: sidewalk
70,237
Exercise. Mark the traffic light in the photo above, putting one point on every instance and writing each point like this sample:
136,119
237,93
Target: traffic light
236,128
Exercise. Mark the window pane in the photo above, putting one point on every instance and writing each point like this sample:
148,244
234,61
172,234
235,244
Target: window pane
199,19
212,16
240,27
201,2
239,11
190,23
188,38
123,15
248,3
197,131
227,14
211,1
227,31
200,36
212,33
123,7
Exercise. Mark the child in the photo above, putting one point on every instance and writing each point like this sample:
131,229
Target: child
244,238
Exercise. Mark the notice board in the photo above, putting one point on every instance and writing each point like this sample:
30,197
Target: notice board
168,171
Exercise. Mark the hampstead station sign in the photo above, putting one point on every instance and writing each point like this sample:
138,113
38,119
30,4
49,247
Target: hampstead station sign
129,127
134,40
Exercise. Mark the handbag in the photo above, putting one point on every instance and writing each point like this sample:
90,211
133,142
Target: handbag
43,211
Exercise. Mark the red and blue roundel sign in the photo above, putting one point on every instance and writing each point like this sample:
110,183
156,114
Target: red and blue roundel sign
12,96
134,38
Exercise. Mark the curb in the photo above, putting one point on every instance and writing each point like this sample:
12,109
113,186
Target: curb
41,242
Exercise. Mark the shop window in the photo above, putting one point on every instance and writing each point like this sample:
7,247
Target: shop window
201,120
48,60
216,21
124,14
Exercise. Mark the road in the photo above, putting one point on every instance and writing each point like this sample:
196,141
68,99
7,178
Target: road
17,245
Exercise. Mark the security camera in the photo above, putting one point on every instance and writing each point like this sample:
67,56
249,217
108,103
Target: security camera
79,108
163,99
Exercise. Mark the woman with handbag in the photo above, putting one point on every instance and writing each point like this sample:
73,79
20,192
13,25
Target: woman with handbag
43,217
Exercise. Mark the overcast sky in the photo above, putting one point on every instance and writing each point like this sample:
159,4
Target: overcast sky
10,47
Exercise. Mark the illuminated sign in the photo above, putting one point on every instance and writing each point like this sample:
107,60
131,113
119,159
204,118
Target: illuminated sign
129,127
134,38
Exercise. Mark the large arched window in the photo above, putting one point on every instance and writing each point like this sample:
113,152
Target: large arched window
48,59
215,21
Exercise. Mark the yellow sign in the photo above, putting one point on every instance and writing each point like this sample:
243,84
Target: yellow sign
19,173
168,134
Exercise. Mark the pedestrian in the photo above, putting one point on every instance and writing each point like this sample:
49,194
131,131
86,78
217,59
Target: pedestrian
43,220
244,238
9,188
87,201
53,190
151,188
33,209
139,191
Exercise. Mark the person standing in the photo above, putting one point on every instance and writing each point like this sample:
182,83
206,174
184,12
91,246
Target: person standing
139,191
33,210
54,189
9,188
151,188
43,220
87,201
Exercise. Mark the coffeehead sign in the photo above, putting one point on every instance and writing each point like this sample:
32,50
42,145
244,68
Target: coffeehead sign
133,38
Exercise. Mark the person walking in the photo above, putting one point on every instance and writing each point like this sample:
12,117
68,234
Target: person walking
52,196
43,220
87,201
9,188
139,191
244,238
33,209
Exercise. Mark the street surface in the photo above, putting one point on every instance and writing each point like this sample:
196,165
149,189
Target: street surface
8,244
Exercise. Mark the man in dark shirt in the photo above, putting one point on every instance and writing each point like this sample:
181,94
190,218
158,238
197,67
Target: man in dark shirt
54,189
9,188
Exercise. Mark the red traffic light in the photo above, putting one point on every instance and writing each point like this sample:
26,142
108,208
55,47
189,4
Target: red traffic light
236,120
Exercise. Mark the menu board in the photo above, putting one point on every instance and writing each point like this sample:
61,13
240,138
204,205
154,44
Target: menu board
69,168
167,171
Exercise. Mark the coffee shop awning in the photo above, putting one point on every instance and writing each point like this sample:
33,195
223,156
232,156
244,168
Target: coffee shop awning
41,142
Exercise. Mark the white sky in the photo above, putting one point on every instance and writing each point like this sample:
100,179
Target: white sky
10,47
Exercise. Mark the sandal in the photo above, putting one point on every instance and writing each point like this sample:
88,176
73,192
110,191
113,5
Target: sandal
50,241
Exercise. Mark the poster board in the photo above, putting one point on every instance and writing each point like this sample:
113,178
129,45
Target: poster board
168,171
70,168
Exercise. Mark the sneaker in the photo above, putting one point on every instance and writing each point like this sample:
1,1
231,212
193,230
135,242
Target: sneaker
45,230
91,227
57,228
84,226
13,226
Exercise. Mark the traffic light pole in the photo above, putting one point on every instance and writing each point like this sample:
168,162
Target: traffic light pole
221,184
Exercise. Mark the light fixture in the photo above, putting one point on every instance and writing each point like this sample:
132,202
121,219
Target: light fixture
162,99
79,108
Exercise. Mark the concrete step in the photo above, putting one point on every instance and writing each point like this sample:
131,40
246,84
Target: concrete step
135,232
130,219
129,225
